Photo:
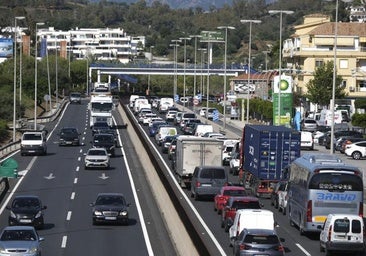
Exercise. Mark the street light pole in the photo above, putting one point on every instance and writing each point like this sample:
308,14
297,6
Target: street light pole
249,61
225,60
202,50
148,78
265,59
184,67
281,12
175,65
15,76
35,77
195,64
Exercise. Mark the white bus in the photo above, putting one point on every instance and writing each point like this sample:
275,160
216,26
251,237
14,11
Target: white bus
320,184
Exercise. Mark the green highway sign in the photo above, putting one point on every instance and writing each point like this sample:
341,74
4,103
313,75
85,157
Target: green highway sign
212,36
8,168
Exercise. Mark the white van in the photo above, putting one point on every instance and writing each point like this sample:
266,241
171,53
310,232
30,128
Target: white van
201,129
132,100
165,104
251,218
325,118
164,131
343,233
307,140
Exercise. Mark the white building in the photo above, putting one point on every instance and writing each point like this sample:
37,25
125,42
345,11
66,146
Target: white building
100,43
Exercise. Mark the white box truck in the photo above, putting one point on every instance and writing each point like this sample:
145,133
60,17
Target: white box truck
192,151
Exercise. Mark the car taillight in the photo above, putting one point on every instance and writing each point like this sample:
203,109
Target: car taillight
330,233
243,247
309,211
198,184
360,211
280,248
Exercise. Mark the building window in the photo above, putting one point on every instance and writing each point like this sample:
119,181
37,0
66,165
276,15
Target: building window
343,63
319,63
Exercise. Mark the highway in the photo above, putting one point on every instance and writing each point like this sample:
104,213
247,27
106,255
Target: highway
61,182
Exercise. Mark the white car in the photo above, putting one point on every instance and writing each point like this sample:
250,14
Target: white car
170,115
234,163
307,141
356,150
147,118
203,111
96,158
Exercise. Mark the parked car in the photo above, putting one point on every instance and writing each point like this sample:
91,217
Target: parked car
96,158
207,181
307,141
343,233
20,240
26,210
251,242
69,136
110,208
309,125
235,203
356,150
346,141
224,194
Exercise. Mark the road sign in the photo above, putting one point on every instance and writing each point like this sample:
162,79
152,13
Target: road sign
212,36
8,168
196,102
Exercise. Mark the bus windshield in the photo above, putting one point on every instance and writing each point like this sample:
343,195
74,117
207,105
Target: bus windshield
336,182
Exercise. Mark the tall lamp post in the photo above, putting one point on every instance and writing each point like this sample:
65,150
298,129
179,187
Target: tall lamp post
35,76
281,12
15,75
203,51
175,44
184,67
148,78
332,103
225,60
265,59
250,58
195,64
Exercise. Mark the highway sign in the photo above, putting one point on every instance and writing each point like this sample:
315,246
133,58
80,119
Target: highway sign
212,36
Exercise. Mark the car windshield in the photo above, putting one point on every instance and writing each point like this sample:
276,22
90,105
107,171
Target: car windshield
259,239
103,138
246,205
96,153
18,235
110,200
25,203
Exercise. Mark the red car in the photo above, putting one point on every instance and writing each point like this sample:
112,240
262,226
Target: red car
235,203
225,193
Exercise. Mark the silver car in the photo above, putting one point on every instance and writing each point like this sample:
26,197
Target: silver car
20,240
309,125
97,158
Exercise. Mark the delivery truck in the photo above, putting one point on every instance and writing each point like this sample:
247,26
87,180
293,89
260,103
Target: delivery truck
192,151
265,151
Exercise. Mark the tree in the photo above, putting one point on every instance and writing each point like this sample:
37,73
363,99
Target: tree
320,88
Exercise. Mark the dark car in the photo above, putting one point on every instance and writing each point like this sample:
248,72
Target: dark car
100,127
110,208
69,136
339,134
166,143
105,140
26,210
258,242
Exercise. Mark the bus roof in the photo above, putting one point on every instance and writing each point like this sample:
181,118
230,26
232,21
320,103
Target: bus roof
321,161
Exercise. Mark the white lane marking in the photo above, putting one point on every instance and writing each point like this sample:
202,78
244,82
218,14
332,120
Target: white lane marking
79,158
64,241
303,250
138,206
72,197
75,180
68,217
77,168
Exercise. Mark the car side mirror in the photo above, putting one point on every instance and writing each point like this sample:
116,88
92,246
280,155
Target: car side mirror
41,239
91,204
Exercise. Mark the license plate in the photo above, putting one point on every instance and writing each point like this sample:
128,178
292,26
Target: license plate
25,221
110,218
206,185
320,218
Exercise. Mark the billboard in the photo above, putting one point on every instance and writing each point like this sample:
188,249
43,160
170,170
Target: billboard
282,100
6,47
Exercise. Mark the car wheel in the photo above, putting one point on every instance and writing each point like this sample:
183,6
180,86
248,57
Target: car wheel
321,249
284,211
356,155
94,222
196,197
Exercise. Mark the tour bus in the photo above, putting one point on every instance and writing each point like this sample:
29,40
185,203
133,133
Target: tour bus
320,184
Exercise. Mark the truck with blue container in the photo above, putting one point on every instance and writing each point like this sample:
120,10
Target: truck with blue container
265,151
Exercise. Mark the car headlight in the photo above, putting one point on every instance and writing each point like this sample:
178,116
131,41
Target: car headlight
2,250
98,213
33,250
39,214
61,139
12,214
123,213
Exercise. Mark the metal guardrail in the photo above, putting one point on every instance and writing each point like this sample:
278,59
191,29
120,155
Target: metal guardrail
14,146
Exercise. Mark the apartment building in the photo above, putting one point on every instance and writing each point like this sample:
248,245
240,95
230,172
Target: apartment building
100,43
312,45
